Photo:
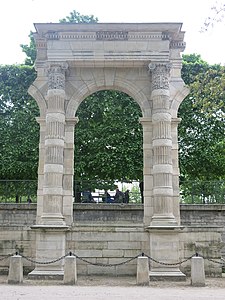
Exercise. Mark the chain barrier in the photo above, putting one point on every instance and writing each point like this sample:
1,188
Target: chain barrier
168,264
212,260
43,262
5,257
106,265
115,264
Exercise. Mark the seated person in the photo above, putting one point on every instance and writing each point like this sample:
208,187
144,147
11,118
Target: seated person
119,196
106,197
87,197
126,196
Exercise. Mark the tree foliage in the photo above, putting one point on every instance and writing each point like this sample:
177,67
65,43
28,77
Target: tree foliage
30,51
108,138
18,127
76,17
216,16
202,130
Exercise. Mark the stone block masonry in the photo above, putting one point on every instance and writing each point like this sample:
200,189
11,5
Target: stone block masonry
116,240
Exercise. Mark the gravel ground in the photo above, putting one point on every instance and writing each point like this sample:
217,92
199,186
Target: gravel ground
108,288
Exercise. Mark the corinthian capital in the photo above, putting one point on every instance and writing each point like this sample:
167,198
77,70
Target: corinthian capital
56,75
160,75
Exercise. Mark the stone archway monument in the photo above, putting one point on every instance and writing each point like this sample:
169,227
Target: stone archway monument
76,60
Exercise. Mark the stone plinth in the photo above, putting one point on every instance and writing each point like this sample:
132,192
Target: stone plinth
70,270
15,270
164,248
197,271
142,270
50,246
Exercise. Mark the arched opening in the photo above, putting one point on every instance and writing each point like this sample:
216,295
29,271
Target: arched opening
108,142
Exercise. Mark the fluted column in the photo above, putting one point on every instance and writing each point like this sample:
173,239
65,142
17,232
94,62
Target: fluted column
69,170
147,169
42,124
54,146
162,146
176,170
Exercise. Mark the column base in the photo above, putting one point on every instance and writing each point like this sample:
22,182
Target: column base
167,275
164,220
46,275
50,252
52,219
164,251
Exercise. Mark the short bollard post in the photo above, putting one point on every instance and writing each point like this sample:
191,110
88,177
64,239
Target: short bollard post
15,275
197,271
70,270
142,270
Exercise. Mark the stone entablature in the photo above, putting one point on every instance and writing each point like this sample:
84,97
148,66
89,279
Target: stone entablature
86,43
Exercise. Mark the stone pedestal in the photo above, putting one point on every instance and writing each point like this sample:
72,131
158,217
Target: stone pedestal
50,246
142,270
197,271
15,270
164,248
70,270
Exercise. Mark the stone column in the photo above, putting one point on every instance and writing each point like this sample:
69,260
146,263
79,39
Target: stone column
69,170
164,228
42,123
162,146
51,228
54,147
176,170
147,169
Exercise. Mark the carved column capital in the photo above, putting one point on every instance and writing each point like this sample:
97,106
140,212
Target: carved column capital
160,75
56,75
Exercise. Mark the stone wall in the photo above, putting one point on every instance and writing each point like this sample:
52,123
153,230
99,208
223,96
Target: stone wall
112,234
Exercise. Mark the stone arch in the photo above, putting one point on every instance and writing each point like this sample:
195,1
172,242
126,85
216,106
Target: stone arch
121,85
136,59
38,96
180,93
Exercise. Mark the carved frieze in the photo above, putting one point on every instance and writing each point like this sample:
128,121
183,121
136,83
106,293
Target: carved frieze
112,35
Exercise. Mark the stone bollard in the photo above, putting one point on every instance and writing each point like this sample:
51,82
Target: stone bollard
70,270
197,271
142,270
15,275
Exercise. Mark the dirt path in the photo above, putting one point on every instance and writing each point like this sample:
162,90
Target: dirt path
107,288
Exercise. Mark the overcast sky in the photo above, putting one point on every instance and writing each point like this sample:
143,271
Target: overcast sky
17,18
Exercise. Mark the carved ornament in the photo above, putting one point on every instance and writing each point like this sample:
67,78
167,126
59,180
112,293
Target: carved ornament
56,75
160,75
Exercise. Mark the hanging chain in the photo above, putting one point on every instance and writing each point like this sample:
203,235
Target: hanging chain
43,262
106,265
5,257
115,264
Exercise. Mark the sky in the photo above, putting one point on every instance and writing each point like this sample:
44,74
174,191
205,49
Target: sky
18,16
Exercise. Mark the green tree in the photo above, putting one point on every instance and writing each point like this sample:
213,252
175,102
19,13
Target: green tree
30,51
108,138
19,129
76,17
202,130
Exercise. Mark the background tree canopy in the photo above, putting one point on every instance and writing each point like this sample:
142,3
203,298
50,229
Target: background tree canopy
202,129
18,127
108,138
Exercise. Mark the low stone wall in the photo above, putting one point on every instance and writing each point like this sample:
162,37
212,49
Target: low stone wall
112,234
